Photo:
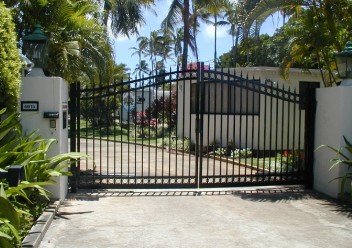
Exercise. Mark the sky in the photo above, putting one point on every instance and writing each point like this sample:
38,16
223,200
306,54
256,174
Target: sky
205,39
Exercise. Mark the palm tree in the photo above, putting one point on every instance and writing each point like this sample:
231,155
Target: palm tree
125,15
233,19
121,72
197,15
152,48
141,67
263,9
78,48
141,49
179,12
165,45
216,8
325,22
177,41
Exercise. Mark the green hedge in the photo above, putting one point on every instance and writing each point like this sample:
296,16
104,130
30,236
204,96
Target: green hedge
10,63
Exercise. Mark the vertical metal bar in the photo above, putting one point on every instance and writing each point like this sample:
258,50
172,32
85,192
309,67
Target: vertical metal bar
150,122
201,124
294,134
73,134
190,130
215,130
176,123
277,128
299,138
265,127
135,132
162,133
100,133
207,110
260,93
198,119
94,104
271,130
107,118
228,112
183,124
197,124
121,133
234,129
143,123
170,126
288,128
156,136
221,120
246,132
282,131
114,127
128,131
252,135
87,124
240,131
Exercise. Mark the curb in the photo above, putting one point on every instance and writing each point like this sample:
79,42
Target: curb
37,232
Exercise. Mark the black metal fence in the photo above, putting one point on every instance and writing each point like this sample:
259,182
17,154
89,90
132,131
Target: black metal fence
193,128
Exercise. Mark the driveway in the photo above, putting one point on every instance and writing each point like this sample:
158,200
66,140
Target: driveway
241,217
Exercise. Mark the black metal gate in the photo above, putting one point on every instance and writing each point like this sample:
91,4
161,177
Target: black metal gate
192,128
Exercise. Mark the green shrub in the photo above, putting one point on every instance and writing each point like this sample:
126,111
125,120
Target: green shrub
19,205
244,153
10,63
343,157
220,151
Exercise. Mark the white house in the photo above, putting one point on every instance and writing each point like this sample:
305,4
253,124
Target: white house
139,100
242,114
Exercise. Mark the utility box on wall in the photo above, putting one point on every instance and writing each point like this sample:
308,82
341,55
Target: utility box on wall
44,107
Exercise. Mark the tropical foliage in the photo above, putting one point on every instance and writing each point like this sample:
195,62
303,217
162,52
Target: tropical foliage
125,16
78,47
187,14
18,204
10,63
318,29
342,159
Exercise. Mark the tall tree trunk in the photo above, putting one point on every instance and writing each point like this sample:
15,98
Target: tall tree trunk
235,47
107,9
215,37
195,29
185,34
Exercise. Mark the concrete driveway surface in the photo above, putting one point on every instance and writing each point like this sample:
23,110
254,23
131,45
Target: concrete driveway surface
241,217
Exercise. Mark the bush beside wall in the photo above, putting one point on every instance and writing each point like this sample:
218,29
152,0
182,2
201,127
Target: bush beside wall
10,63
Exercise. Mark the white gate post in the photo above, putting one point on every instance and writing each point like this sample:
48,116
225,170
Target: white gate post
44,107
333,121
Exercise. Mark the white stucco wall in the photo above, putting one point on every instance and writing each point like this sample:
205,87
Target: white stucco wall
295,76
333,121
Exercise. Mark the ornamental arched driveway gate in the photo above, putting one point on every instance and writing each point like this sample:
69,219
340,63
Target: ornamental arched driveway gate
193,128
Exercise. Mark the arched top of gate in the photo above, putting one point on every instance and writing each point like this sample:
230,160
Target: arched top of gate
196,73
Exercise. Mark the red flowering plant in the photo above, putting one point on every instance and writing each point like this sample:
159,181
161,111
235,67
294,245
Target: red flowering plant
141,119
289,160
162,111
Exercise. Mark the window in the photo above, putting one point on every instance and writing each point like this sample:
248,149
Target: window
224,98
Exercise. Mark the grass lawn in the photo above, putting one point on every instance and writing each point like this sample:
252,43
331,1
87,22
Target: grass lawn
146,136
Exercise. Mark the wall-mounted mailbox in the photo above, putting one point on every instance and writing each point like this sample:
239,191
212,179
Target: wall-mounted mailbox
51,115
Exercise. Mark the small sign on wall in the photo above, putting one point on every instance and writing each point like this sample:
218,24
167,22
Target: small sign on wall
29,106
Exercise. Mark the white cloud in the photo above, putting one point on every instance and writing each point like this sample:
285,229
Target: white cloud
210,32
